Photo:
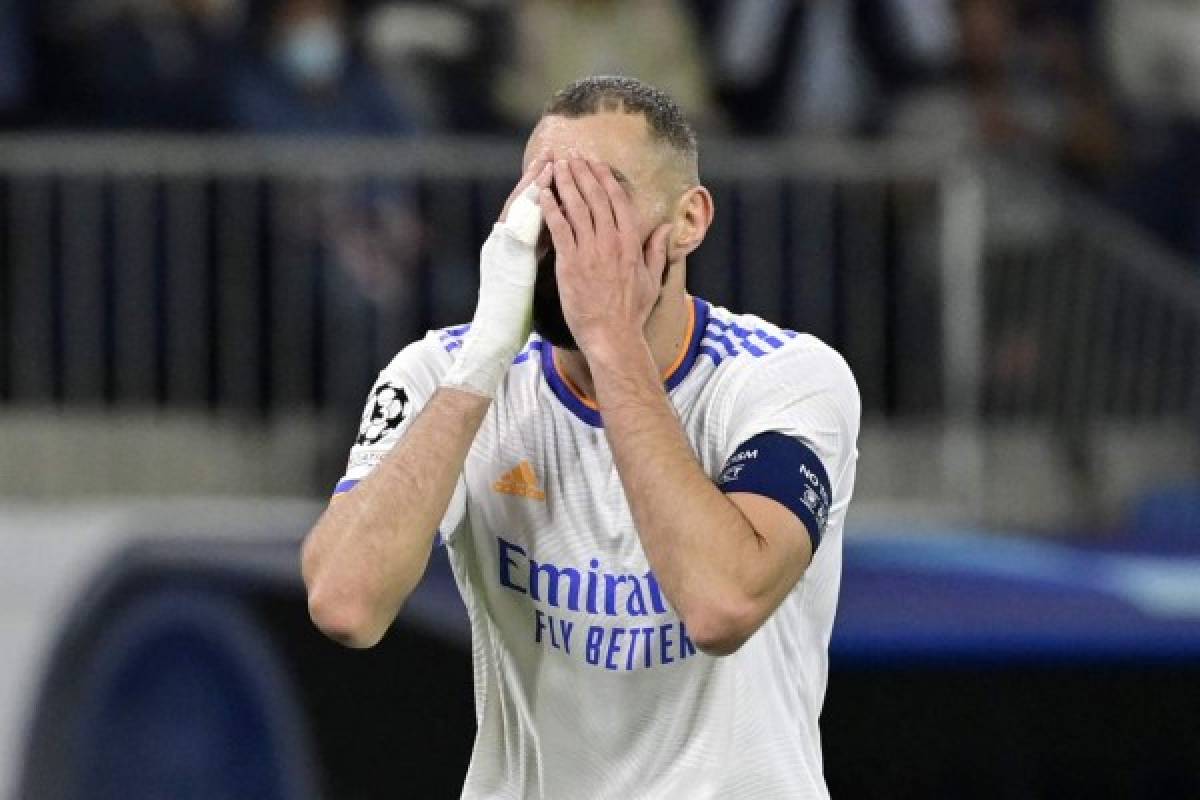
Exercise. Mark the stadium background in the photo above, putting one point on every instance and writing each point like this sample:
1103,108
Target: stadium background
219,218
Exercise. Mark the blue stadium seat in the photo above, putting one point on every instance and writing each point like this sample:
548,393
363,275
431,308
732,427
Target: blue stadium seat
1167,518
180,696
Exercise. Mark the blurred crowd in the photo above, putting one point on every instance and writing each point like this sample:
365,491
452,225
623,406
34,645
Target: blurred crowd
1104,91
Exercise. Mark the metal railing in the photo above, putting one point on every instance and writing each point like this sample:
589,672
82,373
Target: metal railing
267,277
259,274
1090,321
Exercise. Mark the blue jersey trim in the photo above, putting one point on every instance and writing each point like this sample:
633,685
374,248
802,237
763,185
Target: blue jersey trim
590,415
452,339
786,470
724,340
536,346
564,394
344,485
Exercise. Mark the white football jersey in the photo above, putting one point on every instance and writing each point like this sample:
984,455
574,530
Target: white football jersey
587,684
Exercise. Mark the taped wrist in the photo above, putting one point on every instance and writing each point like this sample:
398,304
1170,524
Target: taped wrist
503,314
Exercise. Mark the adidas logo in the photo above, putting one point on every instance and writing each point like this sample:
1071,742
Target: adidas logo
522,481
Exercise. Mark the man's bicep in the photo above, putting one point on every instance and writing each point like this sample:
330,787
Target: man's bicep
787,542
455,518
788,472
793,433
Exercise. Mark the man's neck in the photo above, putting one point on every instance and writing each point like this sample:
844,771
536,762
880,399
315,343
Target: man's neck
666,334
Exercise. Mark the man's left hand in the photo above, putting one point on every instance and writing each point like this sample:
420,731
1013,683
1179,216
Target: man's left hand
608,280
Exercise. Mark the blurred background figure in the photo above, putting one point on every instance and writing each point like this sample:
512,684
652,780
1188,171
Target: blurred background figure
556,41
140,63
438,58
784,66
1155,60
307,78
16,60
219,219
822,67
1017,80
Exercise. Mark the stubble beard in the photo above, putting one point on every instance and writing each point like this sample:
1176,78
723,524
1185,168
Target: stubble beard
549,322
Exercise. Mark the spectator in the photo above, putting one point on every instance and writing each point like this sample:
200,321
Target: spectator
789,66
15,59
1022,88
558,41
432,56
823,66
144,63
1154,49
360,237
306,79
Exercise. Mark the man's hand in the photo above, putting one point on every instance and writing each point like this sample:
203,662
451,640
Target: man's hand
532,175
507,270
607,281
724,562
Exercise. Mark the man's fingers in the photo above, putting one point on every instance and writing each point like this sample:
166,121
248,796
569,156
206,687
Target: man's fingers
573,204
656,251
560,229
545,176
537,164
594,194
622,205
531,174
525,216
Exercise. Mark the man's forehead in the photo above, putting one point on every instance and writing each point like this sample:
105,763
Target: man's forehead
617,139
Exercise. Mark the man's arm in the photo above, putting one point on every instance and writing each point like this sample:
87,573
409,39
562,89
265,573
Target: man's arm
724,561
371,546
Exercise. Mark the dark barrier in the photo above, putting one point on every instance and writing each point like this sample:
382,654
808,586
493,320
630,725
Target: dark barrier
1116,731
190,670
982,668
396,721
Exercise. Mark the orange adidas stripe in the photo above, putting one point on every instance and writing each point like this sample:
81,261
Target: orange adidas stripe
667,374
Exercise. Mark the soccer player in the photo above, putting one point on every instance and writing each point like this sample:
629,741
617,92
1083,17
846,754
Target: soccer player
642,501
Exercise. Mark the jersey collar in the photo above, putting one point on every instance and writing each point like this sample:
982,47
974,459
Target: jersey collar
585,408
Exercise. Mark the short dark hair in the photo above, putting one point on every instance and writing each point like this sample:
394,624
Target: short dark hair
598,93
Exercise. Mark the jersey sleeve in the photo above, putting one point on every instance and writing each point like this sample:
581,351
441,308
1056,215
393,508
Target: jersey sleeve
400,392
791,432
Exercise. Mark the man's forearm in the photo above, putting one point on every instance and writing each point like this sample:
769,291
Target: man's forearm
702,549
371,546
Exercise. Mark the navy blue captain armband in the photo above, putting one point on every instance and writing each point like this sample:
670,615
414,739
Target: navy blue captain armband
784,469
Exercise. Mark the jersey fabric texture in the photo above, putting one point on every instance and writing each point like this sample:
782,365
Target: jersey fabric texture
586,682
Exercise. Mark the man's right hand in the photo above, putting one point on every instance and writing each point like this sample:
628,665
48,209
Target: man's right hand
531,175
507,271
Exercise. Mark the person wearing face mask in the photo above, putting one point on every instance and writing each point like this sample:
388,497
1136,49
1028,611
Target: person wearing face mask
143,64
307,80
361,239
312,52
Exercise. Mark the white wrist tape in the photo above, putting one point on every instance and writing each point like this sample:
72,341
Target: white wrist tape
507,270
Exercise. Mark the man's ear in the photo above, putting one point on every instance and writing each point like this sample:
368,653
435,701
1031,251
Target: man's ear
693,216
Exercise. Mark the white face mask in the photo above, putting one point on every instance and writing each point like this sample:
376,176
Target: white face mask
313,52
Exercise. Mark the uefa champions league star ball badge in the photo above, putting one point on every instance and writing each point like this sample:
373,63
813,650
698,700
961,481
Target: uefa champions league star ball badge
388,408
